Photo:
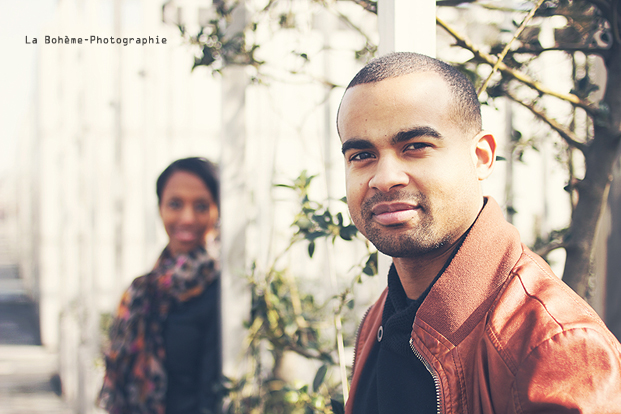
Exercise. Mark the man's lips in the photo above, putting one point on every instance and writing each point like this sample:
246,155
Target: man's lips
381,208
388,214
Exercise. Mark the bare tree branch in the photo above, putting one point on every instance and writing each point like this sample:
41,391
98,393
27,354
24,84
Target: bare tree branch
367,5
567,48
602,5
502,55
348,21
464,42
452,3
567,135
610,9
543,251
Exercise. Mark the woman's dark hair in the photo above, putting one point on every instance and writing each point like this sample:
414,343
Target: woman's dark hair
201,167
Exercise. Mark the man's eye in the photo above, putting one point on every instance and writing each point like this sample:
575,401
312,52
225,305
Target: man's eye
361,156
417,145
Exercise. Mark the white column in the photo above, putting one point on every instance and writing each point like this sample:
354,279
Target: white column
234,202
234,220
407,26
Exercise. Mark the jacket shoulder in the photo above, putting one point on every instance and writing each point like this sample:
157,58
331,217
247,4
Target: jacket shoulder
578,367
550,337
534,306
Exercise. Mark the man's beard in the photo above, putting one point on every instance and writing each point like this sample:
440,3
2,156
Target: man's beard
409,242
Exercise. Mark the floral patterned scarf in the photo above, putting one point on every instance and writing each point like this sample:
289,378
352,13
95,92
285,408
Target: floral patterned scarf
135,380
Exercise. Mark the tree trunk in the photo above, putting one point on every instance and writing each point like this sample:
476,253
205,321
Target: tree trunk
612,310
592,191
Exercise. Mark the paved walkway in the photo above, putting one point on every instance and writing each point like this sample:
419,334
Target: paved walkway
27,370
26,381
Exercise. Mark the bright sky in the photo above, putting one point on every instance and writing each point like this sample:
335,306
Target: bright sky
18,19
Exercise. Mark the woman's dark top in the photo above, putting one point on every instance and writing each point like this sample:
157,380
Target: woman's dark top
193,354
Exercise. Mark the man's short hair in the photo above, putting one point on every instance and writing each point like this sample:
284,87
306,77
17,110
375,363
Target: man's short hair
467,109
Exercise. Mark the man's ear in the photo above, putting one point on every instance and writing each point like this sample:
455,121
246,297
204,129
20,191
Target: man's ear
484,154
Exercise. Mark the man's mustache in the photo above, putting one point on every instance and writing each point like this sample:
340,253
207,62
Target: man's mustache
404,196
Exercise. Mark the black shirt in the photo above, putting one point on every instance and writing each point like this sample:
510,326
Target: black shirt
193,354
393,379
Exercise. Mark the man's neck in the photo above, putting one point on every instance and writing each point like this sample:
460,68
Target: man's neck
417,273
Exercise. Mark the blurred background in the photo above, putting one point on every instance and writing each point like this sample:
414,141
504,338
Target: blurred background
85,129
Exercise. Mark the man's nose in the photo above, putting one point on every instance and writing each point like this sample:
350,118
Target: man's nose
389,174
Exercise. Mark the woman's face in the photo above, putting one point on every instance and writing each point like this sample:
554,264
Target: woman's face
188,212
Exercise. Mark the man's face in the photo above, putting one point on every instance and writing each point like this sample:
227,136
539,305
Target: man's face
412,179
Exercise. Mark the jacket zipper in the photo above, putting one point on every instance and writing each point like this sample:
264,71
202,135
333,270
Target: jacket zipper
434,375
364,317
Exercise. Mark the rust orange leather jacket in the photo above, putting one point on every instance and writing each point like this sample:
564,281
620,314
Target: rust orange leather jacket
500,333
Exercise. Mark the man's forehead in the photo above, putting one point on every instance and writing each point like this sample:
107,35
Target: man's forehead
413,78
412,83
418,87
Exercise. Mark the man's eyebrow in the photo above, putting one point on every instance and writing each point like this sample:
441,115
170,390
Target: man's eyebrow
359,143
416,132
355,143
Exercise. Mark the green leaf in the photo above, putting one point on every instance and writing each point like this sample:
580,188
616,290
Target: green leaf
320,376
285,186
500,158
304,223
339,219
370,267
308,179
321,221
348,233
311,248
312,236
337,406
511,210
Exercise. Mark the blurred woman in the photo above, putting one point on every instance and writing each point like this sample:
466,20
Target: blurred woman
165,343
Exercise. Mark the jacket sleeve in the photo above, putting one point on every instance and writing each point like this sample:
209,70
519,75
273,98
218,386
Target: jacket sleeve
365,338
577,370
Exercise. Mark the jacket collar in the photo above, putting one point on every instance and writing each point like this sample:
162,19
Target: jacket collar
467,288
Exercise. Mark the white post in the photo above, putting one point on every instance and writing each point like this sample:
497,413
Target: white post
236,299
405,26
234,203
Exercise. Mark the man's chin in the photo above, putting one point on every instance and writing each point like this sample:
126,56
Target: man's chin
405,247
